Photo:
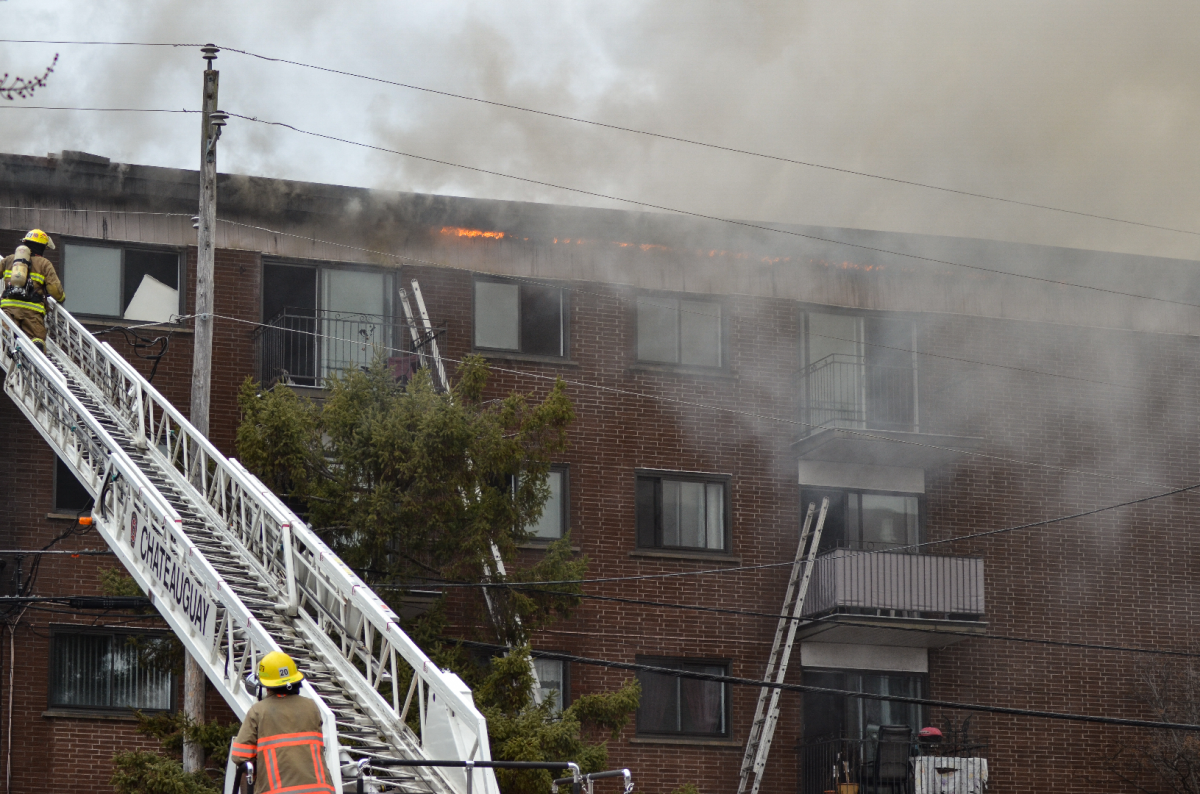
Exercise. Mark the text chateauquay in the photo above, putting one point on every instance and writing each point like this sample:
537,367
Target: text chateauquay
175,578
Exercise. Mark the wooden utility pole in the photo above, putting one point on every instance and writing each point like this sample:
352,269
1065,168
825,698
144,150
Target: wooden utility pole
211,121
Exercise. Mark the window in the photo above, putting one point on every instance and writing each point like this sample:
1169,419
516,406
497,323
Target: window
678,331
131,283
104,671
674,705
520,317
842,717
556,512
860,372
552,682
69,494
683,511
867,521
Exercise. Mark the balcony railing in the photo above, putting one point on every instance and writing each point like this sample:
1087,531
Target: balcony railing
827,763
303,347
843,391
895,584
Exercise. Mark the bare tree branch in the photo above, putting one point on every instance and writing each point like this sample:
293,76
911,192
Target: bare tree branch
21,88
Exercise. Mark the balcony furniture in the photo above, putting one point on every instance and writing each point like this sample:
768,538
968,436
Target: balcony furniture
946,775
892,755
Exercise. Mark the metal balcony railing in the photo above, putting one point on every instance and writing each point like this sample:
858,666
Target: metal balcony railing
303,347
827,763
895,584
843,391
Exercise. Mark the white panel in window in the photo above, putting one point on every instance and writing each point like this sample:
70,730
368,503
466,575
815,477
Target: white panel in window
691,515
715,519
658,329
353,327
888,520
92,279
154,301
550,681
550,525
700,333
497,315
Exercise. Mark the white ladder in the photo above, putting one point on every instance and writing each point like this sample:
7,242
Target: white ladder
766,715
232,570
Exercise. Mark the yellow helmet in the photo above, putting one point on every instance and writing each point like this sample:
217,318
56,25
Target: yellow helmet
39,236
278,669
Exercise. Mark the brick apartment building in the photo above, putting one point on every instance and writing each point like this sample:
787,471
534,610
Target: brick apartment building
724,377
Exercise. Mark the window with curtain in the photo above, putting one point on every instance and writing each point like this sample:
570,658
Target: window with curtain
552,682
682,511
552,524
95,670
114,281
843,717
673,705
867,521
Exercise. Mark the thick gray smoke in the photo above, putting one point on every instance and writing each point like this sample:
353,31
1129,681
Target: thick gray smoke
1088,106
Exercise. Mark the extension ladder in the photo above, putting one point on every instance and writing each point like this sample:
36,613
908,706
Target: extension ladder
233,571
766,714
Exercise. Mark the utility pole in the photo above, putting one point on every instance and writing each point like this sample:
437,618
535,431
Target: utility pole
211,121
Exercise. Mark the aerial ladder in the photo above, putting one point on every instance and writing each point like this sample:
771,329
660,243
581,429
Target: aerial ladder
766,713
235,573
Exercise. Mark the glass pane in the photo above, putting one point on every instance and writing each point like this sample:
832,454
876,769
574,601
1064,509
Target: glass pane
715,519
136,686
353,323
550,525
151,291
702,703
887,521
691,515
541,320
834,334
81,671
671,513
550,680
496,315
658,329
700,333
658,711
92,279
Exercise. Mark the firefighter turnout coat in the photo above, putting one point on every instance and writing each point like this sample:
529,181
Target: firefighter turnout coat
282,733
27,306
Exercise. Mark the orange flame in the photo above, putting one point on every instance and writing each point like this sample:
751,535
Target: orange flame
458,231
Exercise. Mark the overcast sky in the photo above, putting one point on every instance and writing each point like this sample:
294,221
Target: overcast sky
1090,106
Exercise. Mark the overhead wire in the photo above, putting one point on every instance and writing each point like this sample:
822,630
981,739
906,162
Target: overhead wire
632,130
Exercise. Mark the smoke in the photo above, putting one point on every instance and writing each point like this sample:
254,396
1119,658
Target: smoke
1087,106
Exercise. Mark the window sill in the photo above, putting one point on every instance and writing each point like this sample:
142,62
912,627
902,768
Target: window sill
525,358
544,547
686,740
717,373
119,322
90,714
677,554
60,516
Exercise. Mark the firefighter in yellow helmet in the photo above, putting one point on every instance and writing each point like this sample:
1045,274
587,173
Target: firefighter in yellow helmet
28,278
282,733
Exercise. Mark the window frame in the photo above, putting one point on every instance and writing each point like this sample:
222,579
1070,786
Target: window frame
57,508
564,320
72,629
682,476
922,513
565,694
564,520
921,678
723,335
63,268
726,687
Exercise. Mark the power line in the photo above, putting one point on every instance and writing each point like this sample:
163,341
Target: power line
705,216
635,131
735,411
100,110
820,690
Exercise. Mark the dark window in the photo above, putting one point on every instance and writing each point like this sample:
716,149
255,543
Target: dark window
131,283
554,681
556,512
520,317
679,331
683,511
842,717
69,494
106,671
866,520
683,706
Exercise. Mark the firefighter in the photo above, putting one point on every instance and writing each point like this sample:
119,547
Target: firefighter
25,303
284,731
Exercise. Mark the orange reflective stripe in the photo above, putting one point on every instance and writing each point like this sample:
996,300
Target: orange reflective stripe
304,735
317,769
273,768
243,750
303,789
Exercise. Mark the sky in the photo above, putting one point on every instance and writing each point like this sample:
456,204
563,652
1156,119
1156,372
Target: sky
1085,106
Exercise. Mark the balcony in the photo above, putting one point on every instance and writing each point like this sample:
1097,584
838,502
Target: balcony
302,347
842,395
893,598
